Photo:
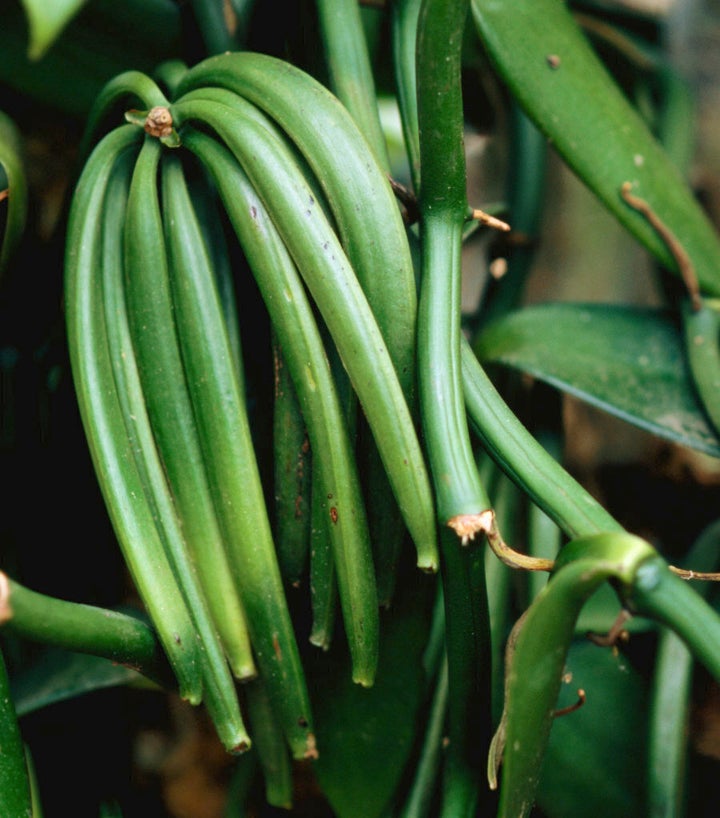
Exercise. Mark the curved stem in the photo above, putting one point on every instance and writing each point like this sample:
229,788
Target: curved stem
119,637
518,453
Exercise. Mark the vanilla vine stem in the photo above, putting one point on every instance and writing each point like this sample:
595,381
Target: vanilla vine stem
124,639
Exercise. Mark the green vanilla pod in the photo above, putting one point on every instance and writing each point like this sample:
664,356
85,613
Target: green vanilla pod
350,71
342,302
156,339
357,190
226,443
270,746
323,578
292,472
299,336
404,21
220,696
351,79
206,206
113,458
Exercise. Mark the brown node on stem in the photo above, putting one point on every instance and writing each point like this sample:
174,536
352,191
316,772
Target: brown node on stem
563,711
678,252
4,194
6,611
158,122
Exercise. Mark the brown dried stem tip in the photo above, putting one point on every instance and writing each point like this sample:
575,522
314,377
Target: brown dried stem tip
489,221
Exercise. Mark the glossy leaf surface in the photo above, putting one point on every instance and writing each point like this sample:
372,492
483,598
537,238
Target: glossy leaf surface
594,760
628,361
549,66
59,675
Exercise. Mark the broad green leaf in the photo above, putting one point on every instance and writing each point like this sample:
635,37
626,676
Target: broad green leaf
549,66
365,735
628,361
12,179
594,763
59,675
46,21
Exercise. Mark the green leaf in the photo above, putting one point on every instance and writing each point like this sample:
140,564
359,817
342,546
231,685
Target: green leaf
628,361
594,763
59,675
365,735
14,781
47,21
549,66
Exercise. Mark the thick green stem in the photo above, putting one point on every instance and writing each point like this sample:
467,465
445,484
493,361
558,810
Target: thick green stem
469,667
518,453
119,637
461,498
661,595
